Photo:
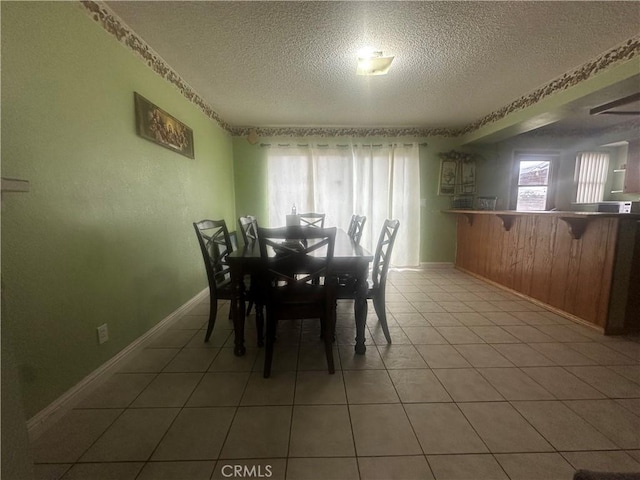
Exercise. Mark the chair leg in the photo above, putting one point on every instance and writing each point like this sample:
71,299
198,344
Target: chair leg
260,325
213,312
249,307
379,307
268,351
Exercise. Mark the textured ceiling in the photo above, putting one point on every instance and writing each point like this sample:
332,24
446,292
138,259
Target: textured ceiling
275,64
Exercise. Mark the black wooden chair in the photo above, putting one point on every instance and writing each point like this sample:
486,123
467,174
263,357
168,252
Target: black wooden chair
248,226
356,228
296,281
377,284
215,244
312,219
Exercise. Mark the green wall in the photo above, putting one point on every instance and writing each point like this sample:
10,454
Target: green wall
105,235
437,229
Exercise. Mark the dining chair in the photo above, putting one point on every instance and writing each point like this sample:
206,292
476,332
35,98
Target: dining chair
215,245
377,283
312,219
296,282
356,228
248,226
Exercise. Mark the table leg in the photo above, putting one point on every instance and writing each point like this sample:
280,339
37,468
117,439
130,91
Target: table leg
237,303
360,307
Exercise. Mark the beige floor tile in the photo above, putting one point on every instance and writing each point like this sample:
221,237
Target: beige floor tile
442,429
171,338
50,471
459,335
322,469
285,357
226,361
635,454
503,318
562,384
72,435
427,307
350,360
467,296
482,355
612,461
258,432
482,306
380,430
514,384
534,318
443,319
527,333
313,357
191,322
118,391
400,307
607,381
149,360
522,355
315,388
106,471
401,356
493,334
442,356
220,337
466,467
467,385
561,427
453,307
398,337
614,421
469,319
602,354
177,470
192,360
168,390
369,386
631,404
321,431
411,320
562,333
534,466
276,390
133,436
561,354
270,468
628,348
418,386
394,468
502,428
632,372
424,335
219,389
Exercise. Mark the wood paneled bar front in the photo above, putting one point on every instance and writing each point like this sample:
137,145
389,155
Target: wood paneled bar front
582,265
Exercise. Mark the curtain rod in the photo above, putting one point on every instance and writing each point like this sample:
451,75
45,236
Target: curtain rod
324,145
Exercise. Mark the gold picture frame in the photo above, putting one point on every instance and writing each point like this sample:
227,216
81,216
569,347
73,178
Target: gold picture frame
156,125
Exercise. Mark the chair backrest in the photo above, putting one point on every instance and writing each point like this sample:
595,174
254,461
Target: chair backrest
296,255
248,226
215,244
356,228
383,253
312,219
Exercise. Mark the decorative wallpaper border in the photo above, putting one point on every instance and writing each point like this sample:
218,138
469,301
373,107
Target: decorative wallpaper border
116,27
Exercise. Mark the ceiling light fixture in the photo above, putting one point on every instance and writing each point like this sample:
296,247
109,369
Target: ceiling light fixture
373,63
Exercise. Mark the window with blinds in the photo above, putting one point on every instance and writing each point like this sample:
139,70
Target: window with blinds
591,176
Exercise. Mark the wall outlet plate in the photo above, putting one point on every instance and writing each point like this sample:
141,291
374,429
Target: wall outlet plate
103,333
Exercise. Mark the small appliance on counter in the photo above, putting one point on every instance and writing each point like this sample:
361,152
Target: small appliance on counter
610,206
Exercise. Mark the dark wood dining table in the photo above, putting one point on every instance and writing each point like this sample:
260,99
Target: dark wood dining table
348,259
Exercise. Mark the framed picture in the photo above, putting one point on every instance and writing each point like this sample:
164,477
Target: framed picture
447,184
156,125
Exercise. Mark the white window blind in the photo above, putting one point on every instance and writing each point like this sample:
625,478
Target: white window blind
591,175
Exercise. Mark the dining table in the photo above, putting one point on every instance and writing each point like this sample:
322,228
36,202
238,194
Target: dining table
349,259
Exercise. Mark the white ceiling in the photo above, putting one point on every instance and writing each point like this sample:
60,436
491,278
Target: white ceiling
277,64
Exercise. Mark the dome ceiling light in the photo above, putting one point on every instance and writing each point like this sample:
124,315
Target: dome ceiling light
373,63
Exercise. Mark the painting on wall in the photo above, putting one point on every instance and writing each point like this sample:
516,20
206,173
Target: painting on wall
457,173
158,126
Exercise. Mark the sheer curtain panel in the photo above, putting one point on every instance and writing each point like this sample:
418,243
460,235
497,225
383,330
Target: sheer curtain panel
378,181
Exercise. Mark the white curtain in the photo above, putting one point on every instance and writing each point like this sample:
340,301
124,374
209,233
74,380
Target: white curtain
591,176
378,181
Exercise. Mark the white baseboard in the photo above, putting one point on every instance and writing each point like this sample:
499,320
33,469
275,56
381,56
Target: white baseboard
46,417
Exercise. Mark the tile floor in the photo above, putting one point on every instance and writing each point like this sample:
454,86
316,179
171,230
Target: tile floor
478,384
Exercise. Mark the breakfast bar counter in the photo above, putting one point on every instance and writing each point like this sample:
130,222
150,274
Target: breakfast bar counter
583,265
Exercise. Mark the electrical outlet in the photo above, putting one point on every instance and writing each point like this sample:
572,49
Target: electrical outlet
103,333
